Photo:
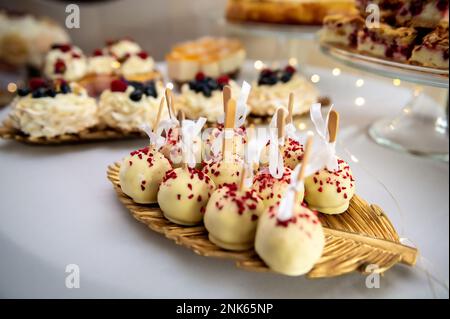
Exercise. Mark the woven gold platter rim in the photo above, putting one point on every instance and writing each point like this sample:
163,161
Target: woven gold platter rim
361,236
93,134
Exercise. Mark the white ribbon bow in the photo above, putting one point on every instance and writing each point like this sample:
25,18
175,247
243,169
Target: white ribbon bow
254,148
189,131
325,153
155,138
241,107
166,125
276,162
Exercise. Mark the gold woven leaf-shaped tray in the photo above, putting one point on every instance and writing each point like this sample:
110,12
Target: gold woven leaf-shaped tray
361,236
89,135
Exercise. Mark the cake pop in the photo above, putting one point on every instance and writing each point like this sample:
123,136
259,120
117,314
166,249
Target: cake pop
291,149
289,237
143,170
226,168
231,216
331,188
185,191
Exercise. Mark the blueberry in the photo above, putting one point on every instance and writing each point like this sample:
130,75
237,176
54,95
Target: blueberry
40,92
193,85
65,88
212,84
23,91
150,91
286,77
136,95
206,91
136,85
50,92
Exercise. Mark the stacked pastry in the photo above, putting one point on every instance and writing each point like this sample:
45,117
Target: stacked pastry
409,31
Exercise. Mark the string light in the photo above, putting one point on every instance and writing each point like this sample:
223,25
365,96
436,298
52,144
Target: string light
293,61
169,86
396,82
11,87
258,65
301,126
115,64
360,101
315,78
336,71
359,83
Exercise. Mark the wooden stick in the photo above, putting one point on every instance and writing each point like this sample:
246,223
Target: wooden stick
228,124
305,159
333,125
226,97
290,117
181,118
281,122
158,116
242,180
168,95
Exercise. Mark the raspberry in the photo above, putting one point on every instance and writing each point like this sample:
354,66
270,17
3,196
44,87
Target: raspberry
223,80
200,76
118,86
97,52
143,55
36,83
59,67
290,69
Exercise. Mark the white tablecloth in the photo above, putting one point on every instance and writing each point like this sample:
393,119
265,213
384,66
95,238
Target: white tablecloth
58,208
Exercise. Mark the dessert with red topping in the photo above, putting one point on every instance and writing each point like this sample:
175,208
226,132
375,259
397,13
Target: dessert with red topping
328,191
272,90
224,171
127,105
183,195
231,217
139,67
422,13
433,52
141,174
202,96
387,42
212,56
52,108
290,247
291,150
341,30
122,48
65,61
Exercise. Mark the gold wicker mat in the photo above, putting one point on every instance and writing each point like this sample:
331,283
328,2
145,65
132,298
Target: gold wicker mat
361,236
90,135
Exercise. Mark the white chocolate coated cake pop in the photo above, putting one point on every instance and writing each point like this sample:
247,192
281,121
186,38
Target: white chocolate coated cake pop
289,237
330,190
141,174
183,195
231,217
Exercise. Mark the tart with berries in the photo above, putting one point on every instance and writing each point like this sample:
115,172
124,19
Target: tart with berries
52,108
65,61
341,30
433,52
423,13
138,67
211,56
202,96
387,42
101,70
127,105
273,88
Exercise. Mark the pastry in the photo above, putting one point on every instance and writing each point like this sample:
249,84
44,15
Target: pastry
127,105
183,195
202,97
122,48
330,189
231,217
65,61
273,88
49,109
387,42
141,174
212,56
289,237
341,29
422,14
433,52
138,67
310,12
24,38
100,71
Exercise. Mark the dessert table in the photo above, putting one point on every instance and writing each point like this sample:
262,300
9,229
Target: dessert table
57,208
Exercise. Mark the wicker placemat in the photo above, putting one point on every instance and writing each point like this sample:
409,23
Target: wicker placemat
361,236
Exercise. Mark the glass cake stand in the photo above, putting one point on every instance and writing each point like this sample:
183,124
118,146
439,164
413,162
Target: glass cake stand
422,126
